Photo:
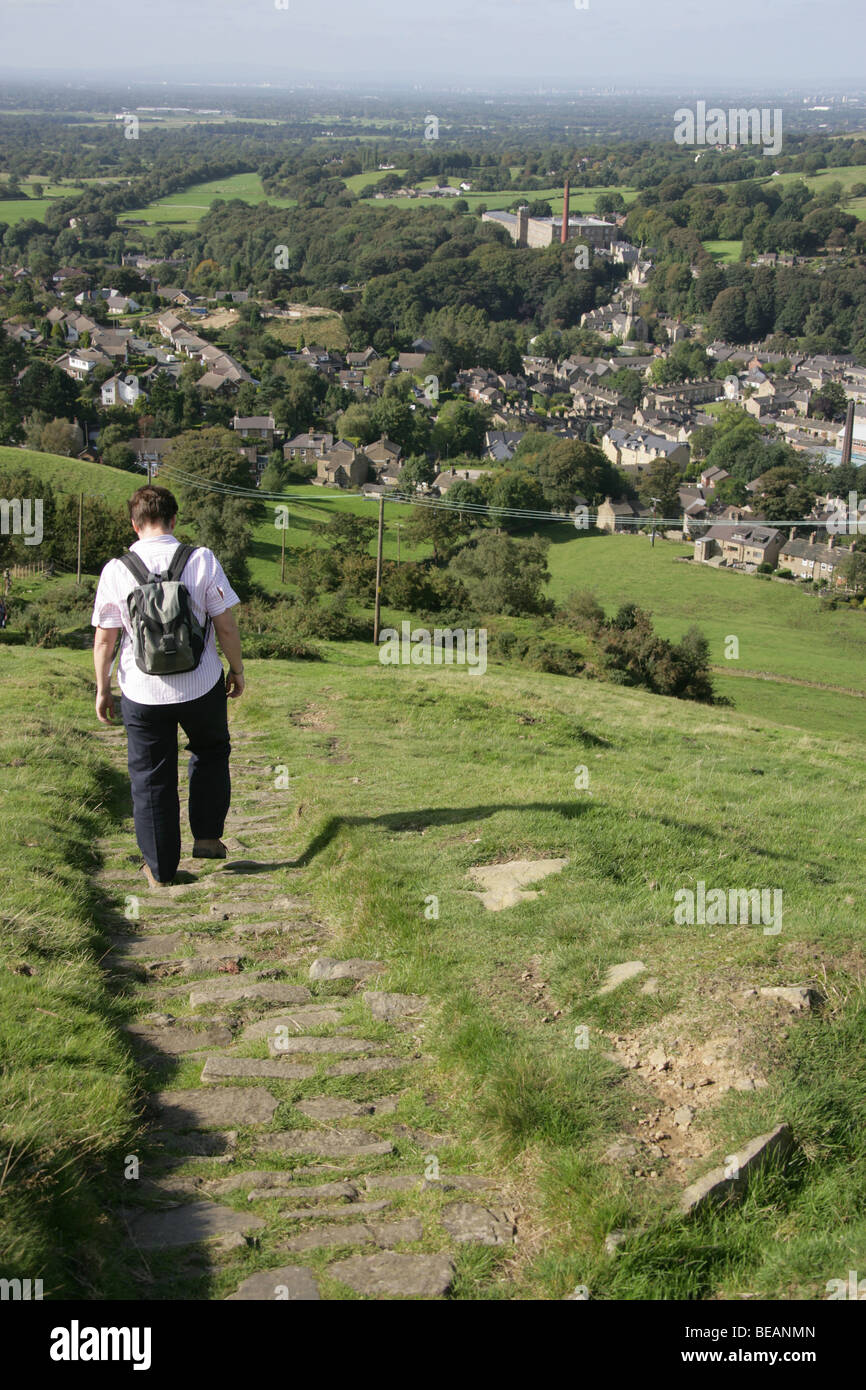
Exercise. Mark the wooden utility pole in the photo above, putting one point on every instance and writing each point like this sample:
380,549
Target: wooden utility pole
398,542
283,555
379,567
80,512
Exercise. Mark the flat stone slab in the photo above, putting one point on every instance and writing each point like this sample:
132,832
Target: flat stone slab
325,968
338,1143
733,1179
307,1016
382,1233
234,990
289,1283
176,1041
387,1006
618,974
296,1043
333,1108
249,1105
353,1209
503,885
795,997
255,1178
260,1069
149,947
187,1225
405,1182
412,1276
464,1221
347,1190
199,1145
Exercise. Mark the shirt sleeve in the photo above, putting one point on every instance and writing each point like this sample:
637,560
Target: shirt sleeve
106,607
219,594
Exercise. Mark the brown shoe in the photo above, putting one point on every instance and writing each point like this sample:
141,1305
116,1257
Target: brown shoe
209,849
151,877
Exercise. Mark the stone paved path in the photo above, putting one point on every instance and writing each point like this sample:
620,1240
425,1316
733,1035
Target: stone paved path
277,1158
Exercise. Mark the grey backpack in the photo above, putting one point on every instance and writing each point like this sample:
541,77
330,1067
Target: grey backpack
167,637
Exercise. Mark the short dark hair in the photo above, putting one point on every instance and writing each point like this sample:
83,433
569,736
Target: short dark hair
152,504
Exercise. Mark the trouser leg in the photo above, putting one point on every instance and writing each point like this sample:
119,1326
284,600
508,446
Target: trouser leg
152,760
205,723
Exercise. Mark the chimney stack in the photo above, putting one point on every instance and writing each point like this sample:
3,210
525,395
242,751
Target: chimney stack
848,441
565,212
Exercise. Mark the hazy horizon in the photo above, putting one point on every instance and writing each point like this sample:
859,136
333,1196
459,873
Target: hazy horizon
529,44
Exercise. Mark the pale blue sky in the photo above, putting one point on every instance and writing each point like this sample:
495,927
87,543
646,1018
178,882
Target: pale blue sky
757,44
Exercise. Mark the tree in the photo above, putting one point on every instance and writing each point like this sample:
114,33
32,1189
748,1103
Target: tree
218,520
438,527
662,481
830,402
61,437
513,489
504,575
853,570
459,429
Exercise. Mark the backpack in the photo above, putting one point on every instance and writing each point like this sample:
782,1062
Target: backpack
167,637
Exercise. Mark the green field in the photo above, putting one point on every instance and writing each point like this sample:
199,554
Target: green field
726,252
185,209
845,174
582,200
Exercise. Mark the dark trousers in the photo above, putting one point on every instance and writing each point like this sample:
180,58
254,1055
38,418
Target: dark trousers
152,758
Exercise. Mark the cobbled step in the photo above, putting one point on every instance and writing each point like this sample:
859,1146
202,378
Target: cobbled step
289,1283
307,1016
316,1193
273,991
339,1143
274,1069
353,1209
177,1041
406,1276
187,1225
215,1109
385,1234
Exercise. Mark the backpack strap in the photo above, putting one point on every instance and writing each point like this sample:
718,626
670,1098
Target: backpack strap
136,566
179,560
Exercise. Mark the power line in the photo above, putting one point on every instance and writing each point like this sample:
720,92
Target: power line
485,509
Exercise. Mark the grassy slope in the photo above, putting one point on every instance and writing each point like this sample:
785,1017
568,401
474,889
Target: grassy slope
73,475
65,1080
403,779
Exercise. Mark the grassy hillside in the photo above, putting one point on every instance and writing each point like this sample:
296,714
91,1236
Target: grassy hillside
402,779
68,475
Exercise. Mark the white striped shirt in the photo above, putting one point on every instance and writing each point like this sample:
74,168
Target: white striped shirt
210,594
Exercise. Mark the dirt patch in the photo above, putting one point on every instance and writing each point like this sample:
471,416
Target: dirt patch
311,717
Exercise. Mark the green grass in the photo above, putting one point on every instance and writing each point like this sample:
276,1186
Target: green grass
780,628
187,208
582,199
65,1080
73,475
402,779
726,252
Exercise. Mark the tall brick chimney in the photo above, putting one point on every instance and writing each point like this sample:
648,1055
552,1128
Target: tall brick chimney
565,212
848,441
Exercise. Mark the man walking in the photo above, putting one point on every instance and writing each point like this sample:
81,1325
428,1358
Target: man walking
152,705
